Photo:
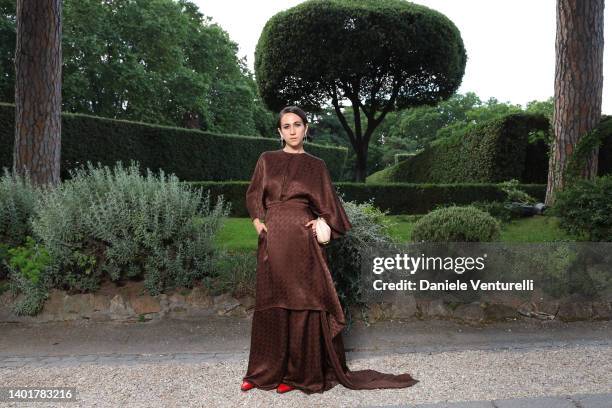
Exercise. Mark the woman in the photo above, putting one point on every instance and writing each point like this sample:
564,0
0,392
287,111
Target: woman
296,339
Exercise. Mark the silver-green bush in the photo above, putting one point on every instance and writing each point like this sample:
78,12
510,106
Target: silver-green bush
17,201
119,223
370,228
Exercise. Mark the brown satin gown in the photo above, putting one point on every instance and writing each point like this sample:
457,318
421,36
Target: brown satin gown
297,323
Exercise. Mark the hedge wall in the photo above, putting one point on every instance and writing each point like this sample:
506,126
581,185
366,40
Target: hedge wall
188,153
494,151
398,198
604,164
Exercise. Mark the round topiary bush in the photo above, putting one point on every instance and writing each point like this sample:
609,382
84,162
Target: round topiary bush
456,224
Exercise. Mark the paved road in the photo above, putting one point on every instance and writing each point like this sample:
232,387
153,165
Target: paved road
200,362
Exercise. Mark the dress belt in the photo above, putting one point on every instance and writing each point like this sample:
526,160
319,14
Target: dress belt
302,202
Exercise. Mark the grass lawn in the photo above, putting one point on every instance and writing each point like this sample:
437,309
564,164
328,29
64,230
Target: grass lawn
239,233
534,229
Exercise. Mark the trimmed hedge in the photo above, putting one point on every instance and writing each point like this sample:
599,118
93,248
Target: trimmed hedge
398,198
605,150
188,153
494,151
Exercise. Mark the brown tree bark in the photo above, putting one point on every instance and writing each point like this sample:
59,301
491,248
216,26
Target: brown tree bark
360,137
578,85
191,120
38,90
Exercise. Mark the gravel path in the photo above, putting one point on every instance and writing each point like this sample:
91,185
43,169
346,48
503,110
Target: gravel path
468,375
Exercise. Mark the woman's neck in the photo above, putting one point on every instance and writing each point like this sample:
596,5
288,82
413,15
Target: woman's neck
294,151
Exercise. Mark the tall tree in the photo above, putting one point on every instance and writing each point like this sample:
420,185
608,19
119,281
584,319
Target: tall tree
175,67
578,86
379,55
38,90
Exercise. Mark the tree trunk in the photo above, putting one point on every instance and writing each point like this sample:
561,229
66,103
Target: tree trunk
191,120
361,160
38,90
578,85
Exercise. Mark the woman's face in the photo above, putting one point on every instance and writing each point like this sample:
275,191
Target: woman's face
292,129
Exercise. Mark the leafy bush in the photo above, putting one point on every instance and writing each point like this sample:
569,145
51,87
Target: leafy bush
514,194
456,224
119,223
28,265
235,272
370,227
497,209
17,201
584,209
506,211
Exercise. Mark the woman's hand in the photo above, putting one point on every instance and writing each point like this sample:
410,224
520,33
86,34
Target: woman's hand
259,226
313,225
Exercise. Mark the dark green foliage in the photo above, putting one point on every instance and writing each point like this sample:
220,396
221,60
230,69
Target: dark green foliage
369,229
367,44
582,151
605,149
511,147
494,151
158,61
456,224
495,209
397,198
505,211
189,154
584,209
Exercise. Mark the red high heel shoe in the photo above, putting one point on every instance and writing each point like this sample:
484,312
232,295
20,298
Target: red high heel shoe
246,385
282,388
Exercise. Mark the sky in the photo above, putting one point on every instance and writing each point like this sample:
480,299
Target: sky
510,44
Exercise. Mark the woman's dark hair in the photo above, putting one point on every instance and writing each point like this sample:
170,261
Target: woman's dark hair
291,109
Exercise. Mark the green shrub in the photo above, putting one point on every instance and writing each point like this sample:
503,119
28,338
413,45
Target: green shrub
504,211
456,224
497,209
28,265
30,260
234,272
17,201
491,151
370,227
514,194
121,224
190,154
397,198
584,209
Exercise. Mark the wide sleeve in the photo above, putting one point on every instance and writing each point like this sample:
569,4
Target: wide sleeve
255,192
327,205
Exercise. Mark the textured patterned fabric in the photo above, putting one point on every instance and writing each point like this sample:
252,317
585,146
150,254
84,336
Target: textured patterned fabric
298,320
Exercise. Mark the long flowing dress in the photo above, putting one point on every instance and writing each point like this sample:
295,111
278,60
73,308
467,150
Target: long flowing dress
298,319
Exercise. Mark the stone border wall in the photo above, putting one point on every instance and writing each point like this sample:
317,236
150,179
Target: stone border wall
131,303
